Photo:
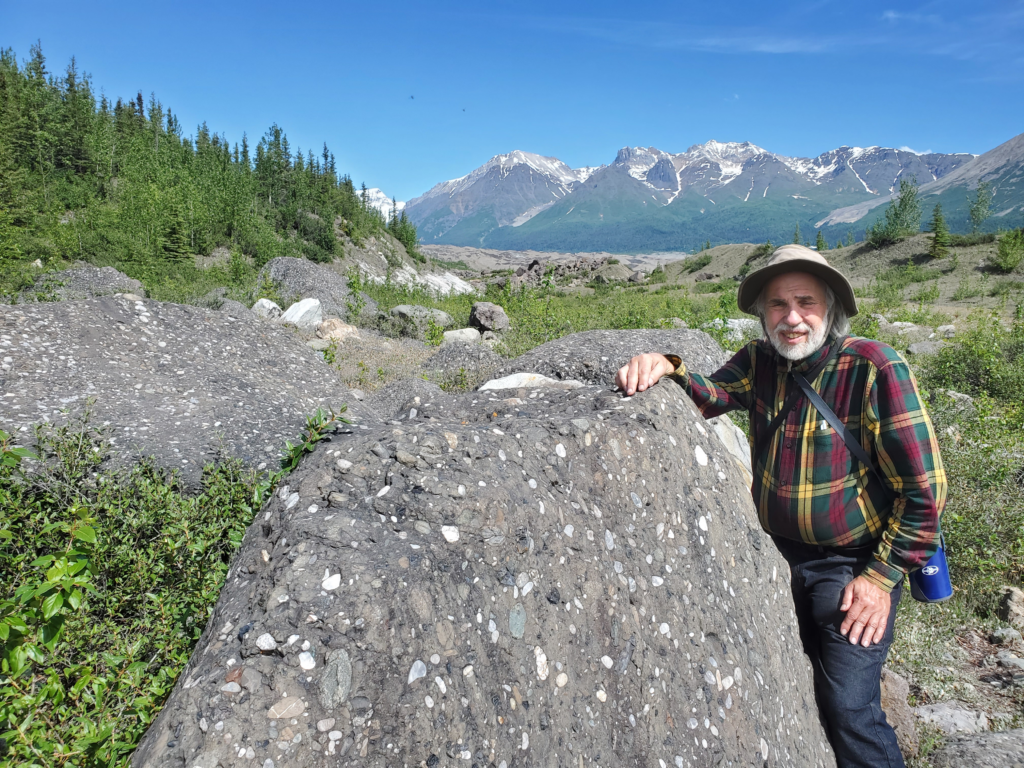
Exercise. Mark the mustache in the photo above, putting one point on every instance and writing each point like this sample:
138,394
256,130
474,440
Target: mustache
799,328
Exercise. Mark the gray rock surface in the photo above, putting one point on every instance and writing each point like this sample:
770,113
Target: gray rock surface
488,316
395,399
415,319
266,309
1004,749
463,335
180,383
235,308
1011,606
952,717
473,364
595,356
81,283
925,347
898,712
301,279
509,582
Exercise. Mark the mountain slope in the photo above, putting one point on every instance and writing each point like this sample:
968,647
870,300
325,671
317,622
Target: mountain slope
649,199
1002,167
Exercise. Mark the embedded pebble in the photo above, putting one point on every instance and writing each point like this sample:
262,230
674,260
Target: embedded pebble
450,533
325,725
330,582
517,621
435,659
419,669
607,661
702,458
306,660
561,680
266,642
231,688
289,706
601,696
560,451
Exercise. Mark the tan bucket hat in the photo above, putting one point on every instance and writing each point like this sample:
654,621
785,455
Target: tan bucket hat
796,258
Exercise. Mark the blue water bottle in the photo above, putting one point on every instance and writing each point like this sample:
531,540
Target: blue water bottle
931,583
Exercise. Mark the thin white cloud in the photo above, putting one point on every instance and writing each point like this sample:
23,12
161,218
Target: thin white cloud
905,148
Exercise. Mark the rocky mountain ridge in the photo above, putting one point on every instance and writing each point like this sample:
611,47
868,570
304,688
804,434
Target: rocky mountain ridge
648,199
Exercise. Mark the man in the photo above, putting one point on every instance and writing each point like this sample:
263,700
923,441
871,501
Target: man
848,536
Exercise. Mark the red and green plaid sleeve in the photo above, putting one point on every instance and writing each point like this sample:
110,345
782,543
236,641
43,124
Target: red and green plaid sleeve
908,458
730,388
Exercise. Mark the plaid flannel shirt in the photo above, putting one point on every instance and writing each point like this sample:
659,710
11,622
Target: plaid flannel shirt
807,485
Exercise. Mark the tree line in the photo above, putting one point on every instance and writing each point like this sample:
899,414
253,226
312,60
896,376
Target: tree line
119,182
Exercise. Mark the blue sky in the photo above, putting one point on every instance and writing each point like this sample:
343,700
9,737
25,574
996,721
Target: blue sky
409,94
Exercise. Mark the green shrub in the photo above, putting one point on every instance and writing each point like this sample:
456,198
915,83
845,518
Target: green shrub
692,265
109,578
1010,252
978,238
657,275
435,333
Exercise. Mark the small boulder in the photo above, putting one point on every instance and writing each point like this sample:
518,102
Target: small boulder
417,319
266,309
488,317
952,717
81,283
235,308
895,691
637,277
467,335
946,331
1011,607
306,314
703,277
1004,636
333,328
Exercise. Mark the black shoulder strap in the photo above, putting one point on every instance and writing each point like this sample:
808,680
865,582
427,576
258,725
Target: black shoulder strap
792,397
855,447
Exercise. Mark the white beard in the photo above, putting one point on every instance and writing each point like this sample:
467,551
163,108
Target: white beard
814,342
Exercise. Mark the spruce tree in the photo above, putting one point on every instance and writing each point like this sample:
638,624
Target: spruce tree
939,248
796,234
821,244
849,238
980,207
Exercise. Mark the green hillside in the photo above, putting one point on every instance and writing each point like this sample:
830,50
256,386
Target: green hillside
121,183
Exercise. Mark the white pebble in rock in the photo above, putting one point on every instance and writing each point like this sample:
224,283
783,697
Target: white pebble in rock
702,458
609,540
419,669
435,659
331,581
526,740
657,581
429,702
561,680
266,642
306,660
560,451
450,533
383,491
231,688
335,735
601,696
325,725
702,523
607,661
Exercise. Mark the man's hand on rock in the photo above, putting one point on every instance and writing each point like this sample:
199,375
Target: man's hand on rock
867,612
641,372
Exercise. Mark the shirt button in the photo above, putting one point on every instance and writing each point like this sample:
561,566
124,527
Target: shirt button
789,446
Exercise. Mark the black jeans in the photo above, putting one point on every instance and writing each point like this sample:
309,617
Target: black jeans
847,677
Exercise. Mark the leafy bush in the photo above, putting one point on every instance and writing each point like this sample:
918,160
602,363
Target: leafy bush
657,275
435,333
1010,252
764,249
106,581
985,360
978,238
692,265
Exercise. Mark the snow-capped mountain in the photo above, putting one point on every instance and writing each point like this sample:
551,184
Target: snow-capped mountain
647,195
376,198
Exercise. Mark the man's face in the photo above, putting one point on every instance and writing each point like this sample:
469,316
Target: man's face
796,314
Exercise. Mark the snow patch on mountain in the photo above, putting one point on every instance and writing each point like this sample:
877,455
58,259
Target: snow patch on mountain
376,198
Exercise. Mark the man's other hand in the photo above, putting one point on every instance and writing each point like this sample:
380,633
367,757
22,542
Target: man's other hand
641,372
867,612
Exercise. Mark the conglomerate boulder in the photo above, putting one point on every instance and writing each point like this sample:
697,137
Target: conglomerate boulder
572,578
